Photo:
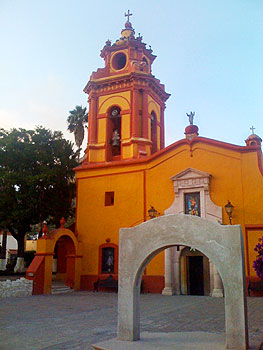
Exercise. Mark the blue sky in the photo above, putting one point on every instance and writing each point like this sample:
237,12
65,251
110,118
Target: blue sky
209,56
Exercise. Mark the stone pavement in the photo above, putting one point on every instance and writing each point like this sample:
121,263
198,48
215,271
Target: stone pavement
76,320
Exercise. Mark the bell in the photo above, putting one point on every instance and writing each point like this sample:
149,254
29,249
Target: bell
115,142
115,139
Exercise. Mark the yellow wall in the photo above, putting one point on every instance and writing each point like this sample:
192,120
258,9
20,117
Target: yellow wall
31,245
125,122
102,130
235,177
97,222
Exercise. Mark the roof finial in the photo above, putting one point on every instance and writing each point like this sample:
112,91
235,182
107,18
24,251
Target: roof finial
128,15
191,117
252,129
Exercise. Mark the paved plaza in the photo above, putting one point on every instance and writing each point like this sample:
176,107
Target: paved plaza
76,320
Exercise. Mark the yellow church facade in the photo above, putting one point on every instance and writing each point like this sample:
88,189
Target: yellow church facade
129,176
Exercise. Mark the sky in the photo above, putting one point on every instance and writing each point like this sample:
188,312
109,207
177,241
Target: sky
209,56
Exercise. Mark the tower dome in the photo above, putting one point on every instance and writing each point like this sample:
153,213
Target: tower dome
253,139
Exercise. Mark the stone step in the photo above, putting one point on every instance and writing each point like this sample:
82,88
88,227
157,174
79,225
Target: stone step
59,289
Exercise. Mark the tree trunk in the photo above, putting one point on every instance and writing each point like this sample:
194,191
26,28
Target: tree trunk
3,252
20,264
3,249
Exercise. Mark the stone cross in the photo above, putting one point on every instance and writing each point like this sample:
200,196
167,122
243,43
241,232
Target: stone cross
128,15
252,129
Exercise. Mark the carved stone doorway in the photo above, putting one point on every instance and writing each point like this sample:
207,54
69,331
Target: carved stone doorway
191,187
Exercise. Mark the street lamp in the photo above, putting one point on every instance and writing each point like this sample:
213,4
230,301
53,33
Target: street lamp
229,210
152,212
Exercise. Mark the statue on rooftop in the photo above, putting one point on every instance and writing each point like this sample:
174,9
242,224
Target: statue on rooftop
191,117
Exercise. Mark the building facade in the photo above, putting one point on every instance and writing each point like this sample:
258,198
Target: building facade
128,175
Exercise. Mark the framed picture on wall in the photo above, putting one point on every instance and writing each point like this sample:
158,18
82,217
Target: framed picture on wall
192,203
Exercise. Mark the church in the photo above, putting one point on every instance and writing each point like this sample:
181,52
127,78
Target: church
128,176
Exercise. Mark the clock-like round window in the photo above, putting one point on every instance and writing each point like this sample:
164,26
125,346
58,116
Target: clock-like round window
119,61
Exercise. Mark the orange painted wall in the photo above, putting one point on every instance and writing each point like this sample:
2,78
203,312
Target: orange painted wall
235,177
97,222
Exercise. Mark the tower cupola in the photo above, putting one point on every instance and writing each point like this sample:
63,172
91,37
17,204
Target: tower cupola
126,102
253,139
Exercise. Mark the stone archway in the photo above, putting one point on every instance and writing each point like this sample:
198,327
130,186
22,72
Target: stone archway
40,270
222,244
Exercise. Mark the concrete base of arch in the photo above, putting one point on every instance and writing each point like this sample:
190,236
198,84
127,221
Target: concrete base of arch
223,245
168,341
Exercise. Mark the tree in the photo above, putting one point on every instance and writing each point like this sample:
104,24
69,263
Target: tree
76,120
36,179
258,263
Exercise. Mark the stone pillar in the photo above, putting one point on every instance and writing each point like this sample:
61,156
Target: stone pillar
211,272
168,278
218,286
176,268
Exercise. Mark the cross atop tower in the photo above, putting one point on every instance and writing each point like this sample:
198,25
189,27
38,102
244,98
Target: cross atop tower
252,129
128,15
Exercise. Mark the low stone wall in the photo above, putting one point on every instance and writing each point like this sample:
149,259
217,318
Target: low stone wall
17,288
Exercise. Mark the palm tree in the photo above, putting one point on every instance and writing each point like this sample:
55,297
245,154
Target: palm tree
76,120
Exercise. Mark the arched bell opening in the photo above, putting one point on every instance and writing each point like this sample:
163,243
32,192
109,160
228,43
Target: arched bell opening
114,134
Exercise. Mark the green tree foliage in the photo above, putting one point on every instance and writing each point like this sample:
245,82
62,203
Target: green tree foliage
76,120
36,179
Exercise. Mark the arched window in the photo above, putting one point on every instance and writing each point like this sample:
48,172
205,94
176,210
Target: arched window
114,133
153,132
108,259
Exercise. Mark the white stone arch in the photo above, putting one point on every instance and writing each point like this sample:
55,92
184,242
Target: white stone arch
222,244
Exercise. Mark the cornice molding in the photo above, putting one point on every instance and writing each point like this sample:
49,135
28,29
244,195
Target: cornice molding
128,81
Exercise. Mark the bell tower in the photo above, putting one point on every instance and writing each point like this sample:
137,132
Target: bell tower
126,102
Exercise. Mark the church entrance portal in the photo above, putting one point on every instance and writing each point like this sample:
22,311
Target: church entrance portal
195,275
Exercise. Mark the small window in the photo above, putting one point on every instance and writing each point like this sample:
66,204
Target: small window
109,198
